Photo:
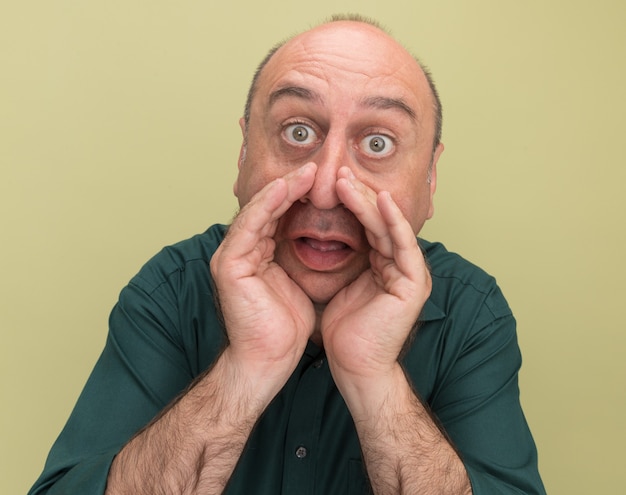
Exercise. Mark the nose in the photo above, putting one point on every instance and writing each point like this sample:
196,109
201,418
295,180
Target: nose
331,156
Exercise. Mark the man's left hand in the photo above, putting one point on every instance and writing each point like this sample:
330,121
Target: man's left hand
365,326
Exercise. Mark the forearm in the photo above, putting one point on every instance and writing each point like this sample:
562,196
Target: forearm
194,446
404,450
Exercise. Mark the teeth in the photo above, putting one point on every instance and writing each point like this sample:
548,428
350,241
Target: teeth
325,246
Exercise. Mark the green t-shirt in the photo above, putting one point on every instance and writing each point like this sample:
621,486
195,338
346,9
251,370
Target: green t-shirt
165,331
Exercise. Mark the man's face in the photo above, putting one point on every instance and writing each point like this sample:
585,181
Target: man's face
344,94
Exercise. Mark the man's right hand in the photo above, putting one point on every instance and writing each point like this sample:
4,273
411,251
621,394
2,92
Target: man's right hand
269,320
268,317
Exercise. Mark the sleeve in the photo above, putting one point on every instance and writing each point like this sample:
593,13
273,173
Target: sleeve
476,399
142,368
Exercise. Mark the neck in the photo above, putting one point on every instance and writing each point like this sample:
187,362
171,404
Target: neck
316,336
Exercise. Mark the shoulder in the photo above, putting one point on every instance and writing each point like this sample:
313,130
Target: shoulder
188,256
465,322
459,285
169,303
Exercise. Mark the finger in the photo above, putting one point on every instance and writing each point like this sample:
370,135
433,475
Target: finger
271,202
258,217
361,200
406,251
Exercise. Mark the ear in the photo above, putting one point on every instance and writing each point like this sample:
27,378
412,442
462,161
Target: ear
433,178
242,151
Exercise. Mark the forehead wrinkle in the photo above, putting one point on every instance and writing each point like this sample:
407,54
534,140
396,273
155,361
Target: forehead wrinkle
386,103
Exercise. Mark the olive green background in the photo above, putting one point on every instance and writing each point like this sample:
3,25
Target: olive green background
118,135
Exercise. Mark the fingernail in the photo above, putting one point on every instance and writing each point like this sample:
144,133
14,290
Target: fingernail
349,174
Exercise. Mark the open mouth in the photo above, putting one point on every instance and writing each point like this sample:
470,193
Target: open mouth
322,255
323,246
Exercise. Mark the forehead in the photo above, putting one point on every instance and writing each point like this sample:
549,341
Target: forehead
347,59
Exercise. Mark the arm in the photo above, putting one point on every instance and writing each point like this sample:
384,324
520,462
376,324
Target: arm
403,448
364,328
148,360
194,446
477,397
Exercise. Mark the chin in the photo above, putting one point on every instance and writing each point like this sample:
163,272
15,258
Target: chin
322,287
321,296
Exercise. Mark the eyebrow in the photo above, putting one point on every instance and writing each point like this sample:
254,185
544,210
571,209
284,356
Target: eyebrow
294,91
381,102
385,103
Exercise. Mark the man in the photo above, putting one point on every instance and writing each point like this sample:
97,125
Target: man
310,371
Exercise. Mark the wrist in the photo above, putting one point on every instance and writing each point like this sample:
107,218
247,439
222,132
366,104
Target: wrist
259,381
369,397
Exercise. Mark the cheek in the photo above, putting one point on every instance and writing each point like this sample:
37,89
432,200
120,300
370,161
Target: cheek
241,188
415,205
257,168
245,188
250,180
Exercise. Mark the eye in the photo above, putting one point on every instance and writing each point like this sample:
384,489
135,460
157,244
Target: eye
377,145
299,134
